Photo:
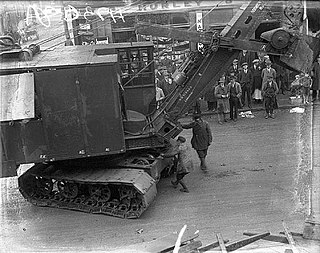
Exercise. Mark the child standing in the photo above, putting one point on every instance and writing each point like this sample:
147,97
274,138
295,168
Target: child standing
222,95
306,83
184,164
269,92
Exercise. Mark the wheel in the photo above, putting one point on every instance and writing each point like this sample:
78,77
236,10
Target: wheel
44,185
141,161
68,189
100,192
126,192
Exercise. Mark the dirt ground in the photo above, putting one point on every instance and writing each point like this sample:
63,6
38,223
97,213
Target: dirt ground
255,182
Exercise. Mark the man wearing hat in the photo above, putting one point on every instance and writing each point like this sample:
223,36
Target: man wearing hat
234,92
234,68
269,92
256,80
268,71
201,138
184,163
245,80
221,93
245,56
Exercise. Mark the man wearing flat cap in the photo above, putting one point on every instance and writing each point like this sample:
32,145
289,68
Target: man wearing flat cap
234,68
245,80
201,138
245,56
268,71
234,92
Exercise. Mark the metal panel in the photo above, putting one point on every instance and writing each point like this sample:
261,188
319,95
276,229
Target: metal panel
60,112
17,97
23,141
102,119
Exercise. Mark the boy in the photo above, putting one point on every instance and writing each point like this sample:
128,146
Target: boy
184,164
269,92
221,93
306,83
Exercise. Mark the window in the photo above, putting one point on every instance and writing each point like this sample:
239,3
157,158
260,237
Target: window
136,64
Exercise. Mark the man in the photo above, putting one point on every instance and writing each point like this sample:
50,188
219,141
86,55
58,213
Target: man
221,93
234,91
233,69
267,72
269,92
201,138
184,162
256,80
315,79
159,94
245,80
245,56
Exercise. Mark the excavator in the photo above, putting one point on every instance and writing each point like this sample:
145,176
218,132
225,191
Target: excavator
66,115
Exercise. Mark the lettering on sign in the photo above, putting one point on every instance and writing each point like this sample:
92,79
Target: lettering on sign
116,13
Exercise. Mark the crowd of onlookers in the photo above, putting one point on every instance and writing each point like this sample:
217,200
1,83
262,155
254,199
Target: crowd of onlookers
251,78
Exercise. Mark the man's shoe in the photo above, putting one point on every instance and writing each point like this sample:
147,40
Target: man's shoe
272,115
267,116
184,190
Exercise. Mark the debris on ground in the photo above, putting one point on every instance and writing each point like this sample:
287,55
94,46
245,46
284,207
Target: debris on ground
246,114
297,110
139,231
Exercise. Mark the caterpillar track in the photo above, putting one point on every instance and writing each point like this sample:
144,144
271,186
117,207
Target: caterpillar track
120,192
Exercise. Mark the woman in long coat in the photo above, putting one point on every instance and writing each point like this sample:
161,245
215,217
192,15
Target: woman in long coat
315,79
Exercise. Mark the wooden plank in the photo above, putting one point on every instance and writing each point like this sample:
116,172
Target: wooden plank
221,243
241,243
290,238
210,246
272,238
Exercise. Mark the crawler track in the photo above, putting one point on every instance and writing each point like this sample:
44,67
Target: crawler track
120,192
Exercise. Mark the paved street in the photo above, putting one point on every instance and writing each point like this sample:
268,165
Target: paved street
258,176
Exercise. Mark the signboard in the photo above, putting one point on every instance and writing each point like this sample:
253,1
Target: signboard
199,24
17,97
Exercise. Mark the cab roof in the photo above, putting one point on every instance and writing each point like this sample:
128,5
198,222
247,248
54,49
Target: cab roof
64,56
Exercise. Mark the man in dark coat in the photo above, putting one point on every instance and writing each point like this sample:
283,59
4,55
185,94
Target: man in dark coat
201,138
315,79
245,56
234,92
233,70
245,80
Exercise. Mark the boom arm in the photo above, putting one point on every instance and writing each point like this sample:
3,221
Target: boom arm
286,45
